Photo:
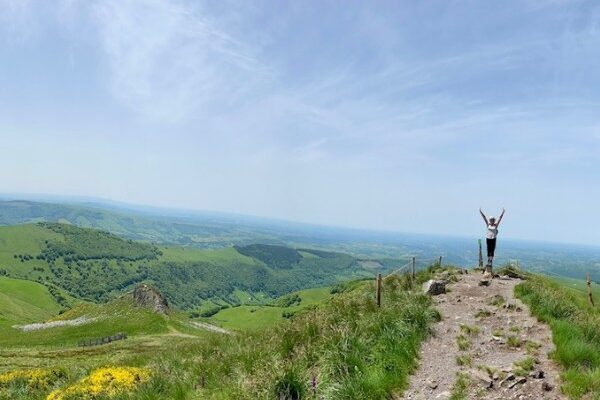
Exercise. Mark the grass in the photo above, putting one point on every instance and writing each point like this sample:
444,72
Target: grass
483,313
498,332
524,366
460,389
464,360
532,347
513,341
24,302
248,318
469,329
463,342
352,348
497,301
574,325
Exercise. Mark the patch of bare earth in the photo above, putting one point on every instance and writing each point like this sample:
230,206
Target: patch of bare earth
487,337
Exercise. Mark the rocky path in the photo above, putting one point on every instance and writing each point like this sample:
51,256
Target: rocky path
487,346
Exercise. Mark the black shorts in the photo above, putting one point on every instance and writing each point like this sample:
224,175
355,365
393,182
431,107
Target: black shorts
491,247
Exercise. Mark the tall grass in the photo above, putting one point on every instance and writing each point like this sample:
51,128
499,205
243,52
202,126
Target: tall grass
576,332
346,348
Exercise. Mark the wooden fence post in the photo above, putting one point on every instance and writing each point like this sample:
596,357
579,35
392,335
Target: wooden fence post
480,255
589,286
414,268
378,290
440,262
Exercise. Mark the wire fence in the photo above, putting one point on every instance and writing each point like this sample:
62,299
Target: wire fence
414,265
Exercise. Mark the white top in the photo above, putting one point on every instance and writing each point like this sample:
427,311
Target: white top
492,231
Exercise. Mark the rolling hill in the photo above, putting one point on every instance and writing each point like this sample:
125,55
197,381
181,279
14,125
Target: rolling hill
206,230
96,266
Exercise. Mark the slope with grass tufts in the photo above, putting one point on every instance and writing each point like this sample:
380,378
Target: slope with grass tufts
575,328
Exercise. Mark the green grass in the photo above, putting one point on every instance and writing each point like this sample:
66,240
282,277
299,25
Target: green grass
97,266
460,390
464,360
246,318
355,350
463,342
24,301
524,366
574,325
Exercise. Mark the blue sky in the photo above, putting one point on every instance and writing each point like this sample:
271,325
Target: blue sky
396,115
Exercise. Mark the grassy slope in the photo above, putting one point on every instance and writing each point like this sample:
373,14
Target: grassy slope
23,239
260,317
355,349
574,323
24,302
94,266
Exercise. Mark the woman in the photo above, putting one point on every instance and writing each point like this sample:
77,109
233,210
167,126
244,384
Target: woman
490,237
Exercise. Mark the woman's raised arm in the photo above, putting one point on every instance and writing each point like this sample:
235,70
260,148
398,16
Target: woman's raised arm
484,217
500,217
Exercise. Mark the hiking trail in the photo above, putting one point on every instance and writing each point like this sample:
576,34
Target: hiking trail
487,346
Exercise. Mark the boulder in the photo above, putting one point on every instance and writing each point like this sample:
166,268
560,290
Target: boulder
485,282
484,379
434,287
145,295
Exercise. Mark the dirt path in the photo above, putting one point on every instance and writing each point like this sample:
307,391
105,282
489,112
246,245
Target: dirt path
495,331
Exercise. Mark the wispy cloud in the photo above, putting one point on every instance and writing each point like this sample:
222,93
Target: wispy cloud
168,61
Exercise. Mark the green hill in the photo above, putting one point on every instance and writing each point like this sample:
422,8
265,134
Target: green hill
97,266
24,301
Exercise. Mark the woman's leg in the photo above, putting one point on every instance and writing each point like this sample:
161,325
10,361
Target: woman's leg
491,248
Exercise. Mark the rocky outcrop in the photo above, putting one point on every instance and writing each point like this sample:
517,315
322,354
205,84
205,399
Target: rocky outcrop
145,295
434,287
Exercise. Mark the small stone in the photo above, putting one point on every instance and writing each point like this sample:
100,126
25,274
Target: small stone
483,378
539,374
517,382
509,377
484,282
547,387
432,384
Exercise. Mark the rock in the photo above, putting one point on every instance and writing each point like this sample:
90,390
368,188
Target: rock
547,387
505,277
517,382
509,377
485,282
434,287
432,384
147,296
443,395
539,374
483,378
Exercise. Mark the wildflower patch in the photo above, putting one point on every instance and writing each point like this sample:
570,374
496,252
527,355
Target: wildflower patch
108,382
31,378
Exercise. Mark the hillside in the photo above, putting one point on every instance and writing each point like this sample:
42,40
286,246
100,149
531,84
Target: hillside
482,343
24,302
204,230
96,266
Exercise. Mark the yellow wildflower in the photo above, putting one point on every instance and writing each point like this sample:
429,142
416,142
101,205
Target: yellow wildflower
32,378
107,381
